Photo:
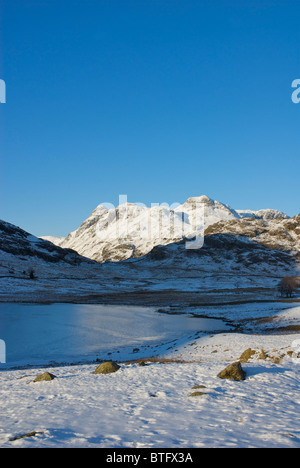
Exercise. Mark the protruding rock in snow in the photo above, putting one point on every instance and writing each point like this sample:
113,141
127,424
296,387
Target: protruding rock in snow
45,377
233,371
195,394
107,368
246,355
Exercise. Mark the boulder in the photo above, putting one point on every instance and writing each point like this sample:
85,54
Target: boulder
262,355
46,377
195,394
233,371
246,355
107,368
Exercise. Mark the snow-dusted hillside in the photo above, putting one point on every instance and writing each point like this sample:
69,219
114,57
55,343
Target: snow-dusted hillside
131,230
223,258
21,253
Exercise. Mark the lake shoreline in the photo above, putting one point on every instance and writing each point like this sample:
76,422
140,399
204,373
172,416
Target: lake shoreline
246,319
153,298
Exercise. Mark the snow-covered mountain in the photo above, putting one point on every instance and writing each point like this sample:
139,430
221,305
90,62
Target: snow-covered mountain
237,253
131,230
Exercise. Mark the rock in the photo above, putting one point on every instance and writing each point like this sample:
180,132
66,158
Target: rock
198,386
193,394
107,368
46,377
262,355
233,371
246,355
28,434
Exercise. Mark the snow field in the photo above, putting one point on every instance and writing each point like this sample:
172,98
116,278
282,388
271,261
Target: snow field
150,406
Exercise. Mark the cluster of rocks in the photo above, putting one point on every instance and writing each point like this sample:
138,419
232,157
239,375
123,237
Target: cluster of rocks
103,368
233,371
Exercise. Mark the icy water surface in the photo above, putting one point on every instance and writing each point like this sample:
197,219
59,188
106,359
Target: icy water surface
35,333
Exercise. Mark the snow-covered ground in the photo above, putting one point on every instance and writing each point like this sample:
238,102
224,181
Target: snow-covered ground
150,405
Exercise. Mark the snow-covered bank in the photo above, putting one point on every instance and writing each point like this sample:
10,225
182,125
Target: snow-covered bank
151,406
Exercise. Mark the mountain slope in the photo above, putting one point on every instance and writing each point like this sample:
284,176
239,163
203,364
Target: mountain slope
21,252
18,242
228,255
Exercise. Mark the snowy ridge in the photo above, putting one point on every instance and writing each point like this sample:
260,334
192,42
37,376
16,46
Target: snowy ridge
262,214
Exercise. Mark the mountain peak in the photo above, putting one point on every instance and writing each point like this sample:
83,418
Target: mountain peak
201,199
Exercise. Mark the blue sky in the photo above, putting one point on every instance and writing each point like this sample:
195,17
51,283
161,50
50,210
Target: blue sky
157,99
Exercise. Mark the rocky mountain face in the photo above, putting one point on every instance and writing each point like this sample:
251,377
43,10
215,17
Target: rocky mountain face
132,231
275,233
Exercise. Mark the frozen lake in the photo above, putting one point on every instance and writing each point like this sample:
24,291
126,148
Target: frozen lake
35,333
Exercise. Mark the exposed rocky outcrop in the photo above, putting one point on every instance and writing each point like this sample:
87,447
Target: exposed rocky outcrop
233,371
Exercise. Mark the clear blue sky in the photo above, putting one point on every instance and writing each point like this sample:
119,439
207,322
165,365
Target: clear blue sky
157,99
